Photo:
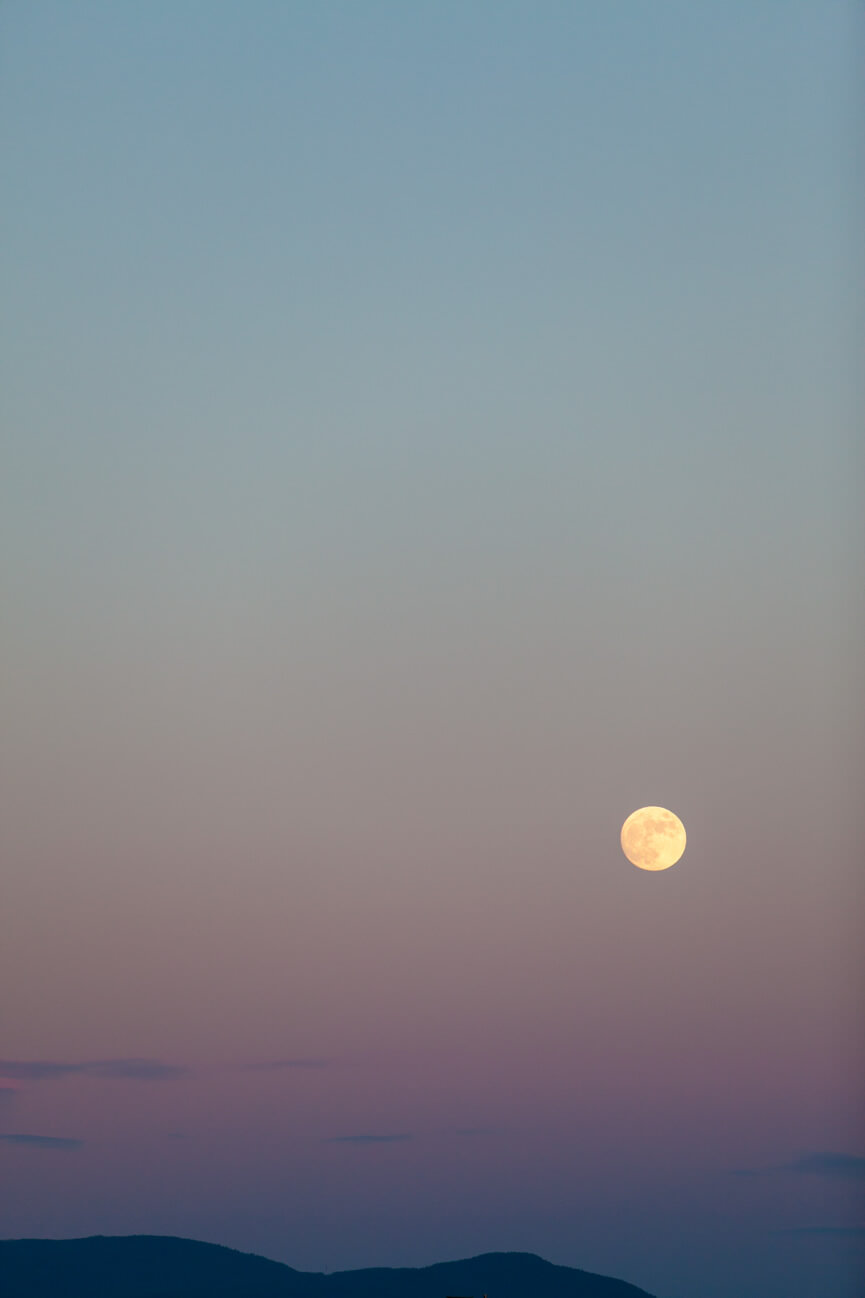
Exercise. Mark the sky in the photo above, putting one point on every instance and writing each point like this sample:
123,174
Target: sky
430,432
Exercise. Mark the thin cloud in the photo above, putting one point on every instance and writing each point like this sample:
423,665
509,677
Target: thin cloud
273,1065
478,1131
369,1139
42,1070
820,1163
36,1070
848,1232
826,1163
146,1070
42,1142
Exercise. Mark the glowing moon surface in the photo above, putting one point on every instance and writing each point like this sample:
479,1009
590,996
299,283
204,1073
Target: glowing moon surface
653,838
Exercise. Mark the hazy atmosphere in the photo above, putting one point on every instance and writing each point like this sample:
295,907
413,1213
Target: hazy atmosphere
431,431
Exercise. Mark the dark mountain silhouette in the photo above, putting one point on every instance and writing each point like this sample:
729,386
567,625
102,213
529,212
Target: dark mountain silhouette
155,1266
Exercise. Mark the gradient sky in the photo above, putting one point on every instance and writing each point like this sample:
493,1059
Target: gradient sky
430,431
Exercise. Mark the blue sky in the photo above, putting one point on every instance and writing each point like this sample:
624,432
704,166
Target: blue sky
431,431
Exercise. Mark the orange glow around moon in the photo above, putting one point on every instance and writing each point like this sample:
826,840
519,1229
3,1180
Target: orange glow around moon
653,838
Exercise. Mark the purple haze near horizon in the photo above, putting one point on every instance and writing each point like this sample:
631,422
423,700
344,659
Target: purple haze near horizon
430,434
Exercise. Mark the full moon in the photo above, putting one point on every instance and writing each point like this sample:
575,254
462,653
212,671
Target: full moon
653,838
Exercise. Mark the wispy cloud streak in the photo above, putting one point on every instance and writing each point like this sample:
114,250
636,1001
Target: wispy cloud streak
478,1131
145,1070
849,1232
36,1070
820,1163
369,1139
41,1142
48,1070
826,1163
274,1065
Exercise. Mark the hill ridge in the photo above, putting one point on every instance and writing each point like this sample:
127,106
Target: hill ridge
170,1266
